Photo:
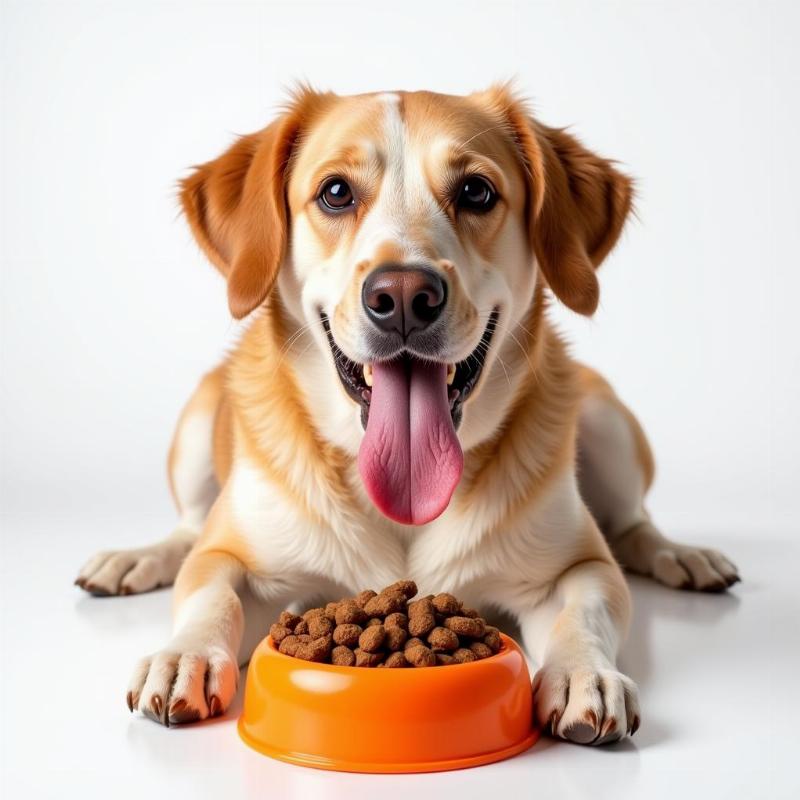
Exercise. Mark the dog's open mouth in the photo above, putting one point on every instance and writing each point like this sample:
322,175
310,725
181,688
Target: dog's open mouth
462,377
410,458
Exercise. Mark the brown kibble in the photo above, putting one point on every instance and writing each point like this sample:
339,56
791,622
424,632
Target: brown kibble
289,645
347,634
348,613
396,660
316,650
343,656
443,640
320,625
371,639
388,630
362,597
421,624
365,659
395,638
385,603
481,650
396,620
288,619
421,619
463,655
466,626
420,656
492,638
279,632
330,611
407,588
446,604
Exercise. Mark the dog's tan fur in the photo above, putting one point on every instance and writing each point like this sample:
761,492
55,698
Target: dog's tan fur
290,520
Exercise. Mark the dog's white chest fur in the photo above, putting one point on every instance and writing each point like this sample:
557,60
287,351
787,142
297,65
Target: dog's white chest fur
356,548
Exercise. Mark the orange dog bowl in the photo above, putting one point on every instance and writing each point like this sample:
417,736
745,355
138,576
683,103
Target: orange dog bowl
356,719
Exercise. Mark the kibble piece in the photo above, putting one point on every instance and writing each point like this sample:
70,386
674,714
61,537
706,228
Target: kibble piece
396,660
481,650
301,627
396,620
371,639
421,618
343,656
444,659
492,638
289,645
279,632
443,640
312,612
320,625
421,625
349,613
362,597
446,604
407,588
330,611
414,641
466,626
463,655
385,603
469,612
288,619
365,659
347,634
420,656
373,621
316,650
395,638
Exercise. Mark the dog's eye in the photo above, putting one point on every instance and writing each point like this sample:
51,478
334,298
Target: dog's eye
335,195
476,194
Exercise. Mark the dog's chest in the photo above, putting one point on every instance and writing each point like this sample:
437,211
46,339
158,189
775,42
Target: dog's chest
352,545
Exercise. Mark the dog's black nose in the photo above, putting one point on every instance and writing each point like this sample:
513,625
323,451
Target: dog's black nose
403,299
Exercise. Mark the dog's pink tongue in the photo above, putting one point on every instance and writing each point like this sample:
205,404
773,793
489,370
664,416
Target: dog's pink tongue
410,459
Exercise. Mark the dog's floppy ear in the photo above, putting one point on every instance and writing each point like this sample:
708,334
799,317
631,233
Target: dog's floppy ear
578,203
236,207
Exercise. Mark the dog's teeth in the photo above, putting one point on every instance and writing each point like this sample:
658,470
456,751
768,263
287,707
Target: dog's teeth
368,374
451,373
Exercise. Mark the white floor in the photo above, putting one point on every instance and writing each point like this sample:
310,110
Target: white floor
718,676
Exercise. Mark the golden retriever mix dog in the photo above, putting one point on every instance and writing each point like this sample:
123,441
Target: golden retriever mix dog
399,405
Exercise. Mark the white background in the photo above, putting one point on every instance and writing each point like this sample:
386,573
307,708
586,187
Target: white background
110,314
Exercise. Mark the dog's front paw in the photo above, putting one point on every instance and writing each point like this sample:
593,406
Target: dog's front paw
184,683
112,572
585,705
686,567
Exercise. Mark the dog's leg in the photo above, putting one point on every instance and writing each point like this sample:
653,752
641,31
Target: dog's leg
191,472
615,469
574,635
196,675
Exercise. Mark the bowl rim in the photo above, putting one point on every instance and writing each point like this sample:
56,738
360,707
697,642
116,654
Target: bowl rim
507,647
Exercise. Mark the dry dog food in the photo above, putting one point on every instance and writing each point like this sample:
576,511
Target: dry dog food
388,629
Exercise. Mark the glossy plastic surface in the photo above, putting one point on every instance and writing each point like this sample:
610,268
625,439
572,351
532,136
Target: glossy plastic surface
357,719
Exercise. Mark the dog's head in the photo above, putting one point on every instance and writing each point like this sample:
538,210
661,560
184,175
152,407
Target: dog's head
409,229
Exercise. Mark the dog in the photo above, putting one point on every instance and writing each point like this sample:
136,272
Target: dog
399,404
